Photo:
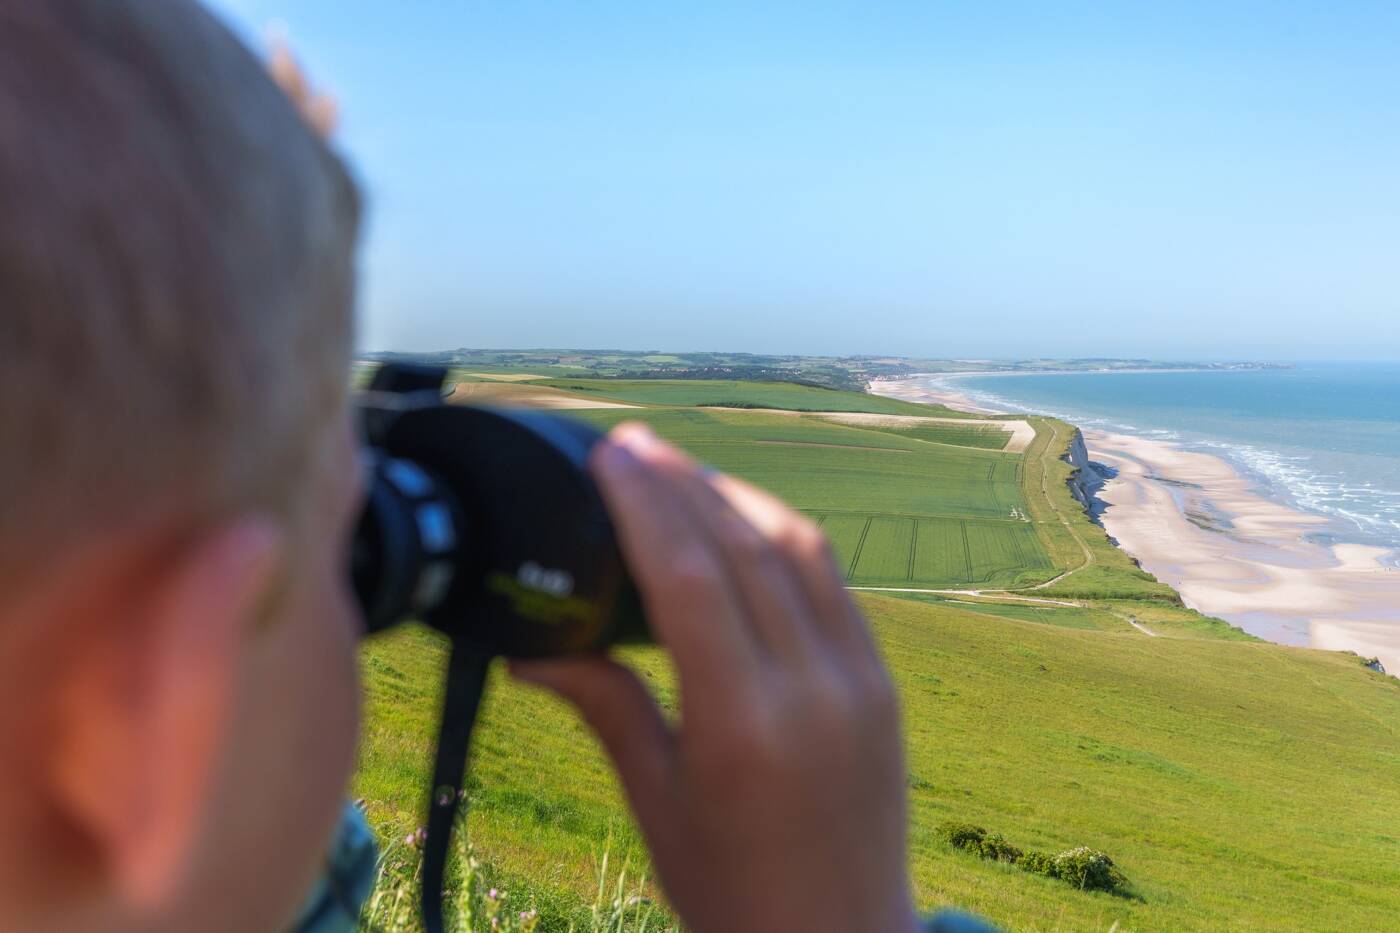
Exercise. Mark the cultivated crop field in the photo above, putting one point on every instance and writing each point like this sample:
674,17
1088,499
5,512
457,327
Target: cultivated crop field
991,438
899,509
742,394
901,551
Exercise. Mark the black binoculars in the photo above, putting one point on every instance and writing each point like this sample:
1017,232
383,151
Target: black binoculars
486,525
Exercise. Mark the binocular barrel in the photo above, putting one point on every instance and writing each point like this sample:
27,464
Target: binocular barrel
485,524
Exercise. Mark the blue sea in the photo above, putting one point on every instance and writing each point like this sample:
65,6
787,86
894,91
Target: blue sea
1323,437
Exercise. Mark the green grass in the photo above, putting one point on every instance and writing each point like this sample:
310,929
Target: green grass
743,394
897,550
1100,570
543,839
832,467
1080,617
688,426
963,435
1238,785
887,550
941,552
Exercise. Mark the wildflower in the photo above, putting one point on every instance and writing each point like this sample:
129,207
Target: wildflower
445,800
421,836
410,839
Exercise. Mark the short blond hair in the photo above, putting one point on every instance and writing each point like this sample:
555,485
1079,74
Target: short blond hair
176,278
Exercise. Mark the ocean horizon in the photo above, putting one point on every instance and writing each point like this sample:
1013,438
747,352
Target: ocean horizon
1321,437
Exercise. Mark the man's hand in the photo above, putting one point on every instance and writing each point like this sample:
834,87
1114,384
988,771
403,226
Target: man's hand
778,802
317,108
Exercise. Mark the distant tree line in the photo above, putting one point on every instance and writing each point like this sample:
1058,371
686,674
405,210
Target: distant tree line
819,379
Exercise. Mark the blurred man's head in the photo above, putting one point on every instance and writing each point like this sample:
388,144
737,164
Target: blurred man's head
176,666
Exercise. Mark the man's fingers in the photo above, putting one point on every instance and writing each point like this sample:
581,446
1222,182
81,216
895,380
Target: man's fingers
810,555
319,110
622,713
778,610
684,585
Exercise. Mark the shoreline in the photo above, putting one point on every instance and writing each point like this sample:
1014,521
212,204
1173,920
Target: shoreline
941,395
1199,525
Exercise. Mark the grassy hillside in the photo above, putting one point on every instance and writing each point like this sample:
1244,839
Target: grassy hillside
1237,784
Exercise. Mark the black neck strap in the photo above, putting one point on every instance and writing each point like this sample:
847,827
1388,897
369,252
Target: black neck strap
466,679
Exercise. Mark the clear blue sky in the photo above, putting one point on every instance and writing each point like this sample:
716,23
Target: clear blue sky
1204,179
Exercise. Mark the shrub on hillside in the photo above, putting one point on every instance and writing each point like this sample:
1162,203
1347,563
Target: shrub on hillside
961,835
1084,868
1038,863
1088,869
995,848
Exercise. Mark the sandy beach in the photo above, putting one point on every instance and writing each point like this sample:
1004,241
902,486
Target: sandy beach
909,390
1199,525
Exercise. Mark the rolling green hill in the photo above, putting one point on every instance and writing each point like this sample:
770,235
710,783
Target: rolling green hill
1237,784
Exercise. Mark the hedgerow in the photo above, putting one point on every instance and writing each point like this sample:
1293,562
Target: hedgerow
1084,868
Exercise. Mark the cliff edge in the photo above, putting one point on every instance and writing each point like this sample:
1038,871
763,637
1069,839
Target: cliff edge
1088,477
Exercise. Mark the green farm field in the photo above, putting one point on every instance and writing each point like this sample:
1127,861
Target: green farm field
899,510
742,394
1052,692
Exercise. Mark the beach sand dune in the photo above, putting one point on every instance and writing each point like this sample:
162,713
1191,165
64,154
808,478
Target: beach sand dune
1257,563
911,390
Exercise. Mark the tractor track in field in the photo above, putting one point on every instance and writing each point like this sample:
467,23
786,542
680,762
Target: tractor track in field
1010,598
998,595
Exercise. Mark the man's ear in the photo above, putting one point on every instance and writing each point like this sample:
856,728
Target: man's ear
143,708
